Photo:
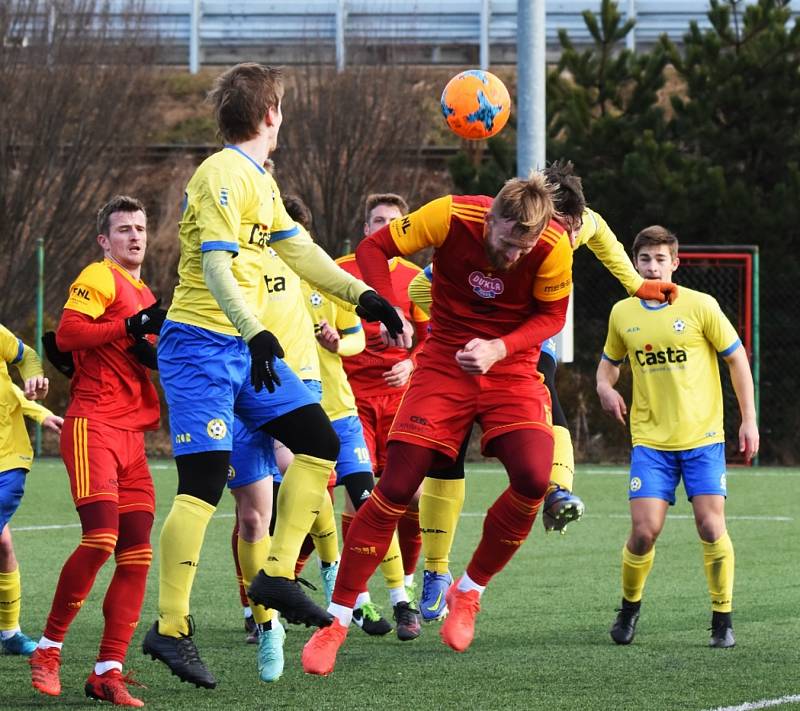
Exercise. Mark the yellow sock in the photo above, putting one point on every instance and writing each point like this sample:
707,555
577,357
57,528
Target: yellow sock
324,533
304,485
718,560
252,557
392,564
440,506
181,540
563,472
635,569
10,600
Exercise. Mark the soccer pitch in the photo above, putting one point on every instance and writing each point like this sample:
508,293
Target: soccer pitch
542,637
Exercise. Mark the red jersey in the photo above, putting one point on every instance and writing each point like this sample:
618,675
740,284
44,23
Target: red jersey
365,370
524,306
109,386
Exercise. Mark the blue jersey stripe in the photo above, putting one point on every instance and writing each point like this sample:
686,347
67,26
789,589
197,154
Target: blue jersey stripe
731,348
611,360
20,351
284,234
219,245
261,168
353,329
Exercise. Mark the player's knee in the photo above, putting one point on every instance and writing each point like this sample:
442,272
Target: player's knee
642,540
710,528
134,529
203,475
358,486
253,524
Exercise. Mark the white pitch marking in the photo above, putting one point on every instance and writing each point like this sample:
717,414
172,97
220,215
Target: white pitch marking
763,704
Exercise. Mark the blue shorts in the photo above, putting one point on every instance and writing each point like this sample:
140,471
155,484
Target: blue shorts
252,458
656,473
206,379
353,452
549,347
12,486
315,388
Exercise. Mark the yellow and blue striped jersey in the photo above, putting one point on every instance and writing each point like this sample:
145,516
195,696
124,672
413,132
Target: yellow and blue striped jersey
283,311
672,349
232,204
337,396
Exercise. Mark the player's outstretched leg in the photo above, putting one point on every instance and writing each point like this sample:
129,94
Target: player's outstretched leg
285,596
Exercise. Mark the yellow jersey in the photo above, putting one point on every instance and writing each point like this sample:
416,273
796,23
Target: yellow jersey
231,204
672,349
283,311
15,445
598,236
338,400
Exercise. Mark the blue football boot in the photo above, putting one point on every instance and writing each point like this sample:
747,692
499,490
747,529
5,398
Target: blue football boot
432,604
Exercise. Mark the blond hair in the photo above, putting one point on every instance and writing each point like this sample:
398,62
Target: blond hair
527,201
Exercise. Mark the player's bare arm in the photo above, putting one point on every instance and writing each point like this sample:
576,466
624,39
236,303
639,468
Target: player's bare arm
612,402
742,380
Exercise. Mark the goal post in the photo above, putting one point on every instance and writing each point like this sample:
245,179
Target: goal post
730,274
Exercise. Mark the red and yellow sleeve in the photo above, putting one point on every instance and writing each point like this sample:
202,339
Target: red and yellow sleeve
554,278
426,227
92,291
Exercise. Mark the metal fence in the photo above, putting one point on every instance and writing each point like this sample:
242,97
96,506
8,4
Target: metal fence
344,31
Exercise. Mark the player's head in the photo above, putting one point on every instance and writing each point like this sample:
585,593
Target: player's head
380,209
520,211
298,211
568,198
247,102
655,253
122,231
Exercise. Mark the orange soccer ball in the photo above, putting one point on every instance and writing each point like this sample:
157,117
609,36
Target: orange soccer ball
475,104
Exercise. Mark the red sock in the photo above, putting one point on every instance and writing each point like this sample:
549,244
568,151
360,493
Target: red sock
123,602
235,548
305,552
508,523
347,519
76,579
365,547
410,540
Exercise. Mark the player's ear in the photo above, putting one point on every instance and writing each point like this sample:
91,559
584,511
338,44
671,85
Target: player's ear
102,240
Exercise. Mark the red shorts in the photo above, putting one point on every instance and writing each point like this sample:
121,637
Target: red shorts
442,401
106,464
376,414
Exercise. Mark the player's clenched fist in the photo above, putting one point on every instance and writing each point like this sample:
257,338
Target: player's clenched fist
655,290
264,348
148,320
373,307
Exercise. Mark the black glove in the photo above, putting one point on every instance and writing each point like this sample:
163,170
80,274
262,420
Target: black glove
264,348
373,307
148,320
145,353
63,362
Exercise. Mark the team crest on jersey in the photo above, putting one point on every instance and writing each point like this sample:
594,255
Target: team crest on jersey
216,429
679,325
487,287
315,299
636,483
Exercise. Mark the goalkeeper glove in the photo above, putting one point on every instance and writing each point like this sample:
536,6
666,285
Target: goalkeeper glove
63,362
264,348
373,307
148,320
655,290
145,353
